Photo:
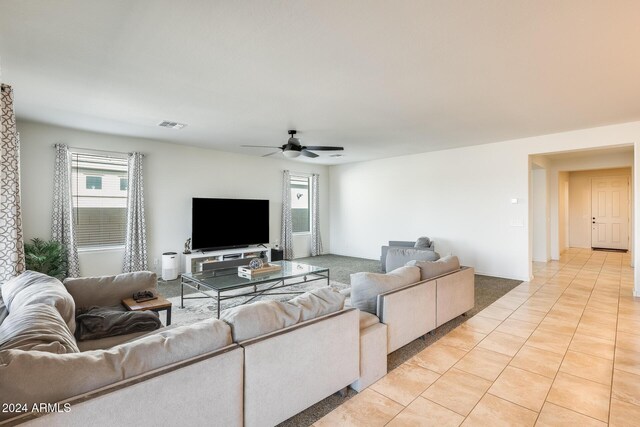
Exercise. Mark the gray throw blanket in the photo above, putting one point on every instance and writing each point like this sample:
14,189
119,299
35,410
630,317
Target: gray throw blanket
3,310
102,322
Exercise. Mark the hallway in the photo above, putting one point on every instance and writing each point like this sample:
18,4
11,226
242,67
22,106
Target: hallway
563,348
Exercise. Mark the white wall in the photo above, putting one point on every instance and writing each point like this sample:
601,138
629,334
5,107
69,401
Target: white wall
539,221
173,175
563,212
580,203
459,197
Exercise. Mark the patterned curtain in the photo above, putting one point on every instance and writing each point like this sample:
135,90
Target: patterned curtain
11,243
316,241
287,222
63,228
135,245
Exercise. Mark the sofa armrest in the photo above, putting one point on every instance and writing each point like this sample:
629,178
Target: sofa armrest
109,290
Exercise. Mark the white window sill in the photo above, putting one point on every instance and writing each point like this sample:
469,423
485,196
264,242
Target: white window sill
102,249
302,233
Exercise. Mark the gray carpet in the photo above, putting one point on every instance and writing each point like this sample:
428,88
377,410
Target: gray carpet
487,290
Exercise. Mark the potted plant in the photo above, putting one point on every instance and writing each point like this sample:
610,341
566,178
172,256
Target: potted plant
48,257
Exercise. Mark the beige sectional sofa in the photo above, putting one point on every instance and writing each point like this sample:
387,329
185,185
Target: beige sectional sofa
258,365
262,364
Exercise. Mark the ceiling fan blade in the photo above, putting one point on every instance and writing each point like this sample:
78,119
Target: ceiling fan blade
323,148
308,154
271,154
258,146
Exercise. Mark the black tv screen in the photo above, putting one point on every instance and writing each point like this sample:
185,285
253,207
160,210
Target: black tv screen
229,223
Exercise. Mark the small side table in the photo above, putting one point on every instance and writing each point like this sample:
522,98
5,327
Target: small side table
277,254
157,305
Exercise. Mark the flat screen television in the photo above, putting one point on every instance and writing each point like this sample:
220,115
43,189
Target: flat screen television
228,223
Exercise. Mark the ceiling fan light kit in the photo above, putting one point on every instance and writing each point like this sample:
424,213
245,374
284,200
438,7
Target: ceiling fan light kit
291,154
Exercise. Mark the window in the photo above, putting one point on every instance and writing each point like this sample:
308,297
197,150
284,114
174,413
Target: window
300,208
93,183
100,205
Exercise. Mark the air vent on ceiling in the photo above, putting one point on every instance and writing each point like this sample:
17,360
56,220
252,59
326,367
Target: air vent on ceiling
171,125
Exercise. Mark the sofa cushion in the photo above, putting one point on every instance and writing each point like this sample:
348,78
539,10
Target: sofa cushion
422,242
109,290
104,343
365,287
319,302
253,320
37,327
367,319
32,287
429,269
34,377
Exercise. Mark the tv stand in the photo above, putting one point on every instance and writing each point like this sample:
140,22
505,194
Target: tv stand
225,258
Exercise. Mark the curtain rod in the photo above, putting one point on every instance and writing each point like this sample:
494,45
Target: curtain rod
115,154
294,173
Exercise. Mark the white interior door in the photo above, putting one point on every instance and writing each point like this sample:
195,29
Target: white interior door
610,212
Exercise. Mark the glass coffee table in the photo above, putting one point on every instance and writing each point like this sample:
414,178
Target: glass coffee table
224,284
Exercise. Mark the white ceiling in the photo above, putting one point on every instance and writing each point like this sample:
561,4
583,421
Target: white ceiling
383,78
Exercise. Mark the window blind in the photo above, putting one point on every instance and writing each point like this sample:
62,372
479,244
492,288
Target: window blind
99,192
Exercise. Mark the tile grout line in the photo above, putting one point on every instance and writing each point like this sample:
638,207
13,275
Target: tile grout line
615,349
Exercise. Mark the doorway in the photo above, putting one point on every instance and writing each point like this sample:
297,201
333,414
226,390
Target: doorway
568,203
610,213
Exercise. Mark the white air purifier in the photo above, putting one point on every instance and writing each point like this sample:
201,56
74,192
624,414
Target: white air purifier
169,266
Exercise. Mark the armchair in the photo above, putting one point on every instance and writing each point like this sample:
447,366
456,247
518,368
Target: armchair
402,245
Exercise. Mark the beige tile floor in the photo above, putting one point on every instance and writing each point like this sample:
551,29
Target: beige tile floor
562,349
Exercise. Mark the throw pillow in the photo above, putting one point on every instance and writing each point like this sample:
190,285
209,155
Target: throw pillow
365,287
422,242
37,327
32,287
107,291
319,302
430,269
260,318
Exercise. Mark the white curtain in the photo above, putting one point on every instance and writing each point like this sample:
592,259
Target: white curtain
11,243
63,228
135,246
316,241
287,222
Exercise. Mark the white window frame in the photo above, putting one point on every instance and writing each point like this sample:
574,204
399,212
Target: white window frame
306,178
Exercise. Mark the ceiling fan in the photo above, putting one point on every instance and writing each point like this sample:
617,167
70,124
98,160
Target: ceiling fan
293,148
